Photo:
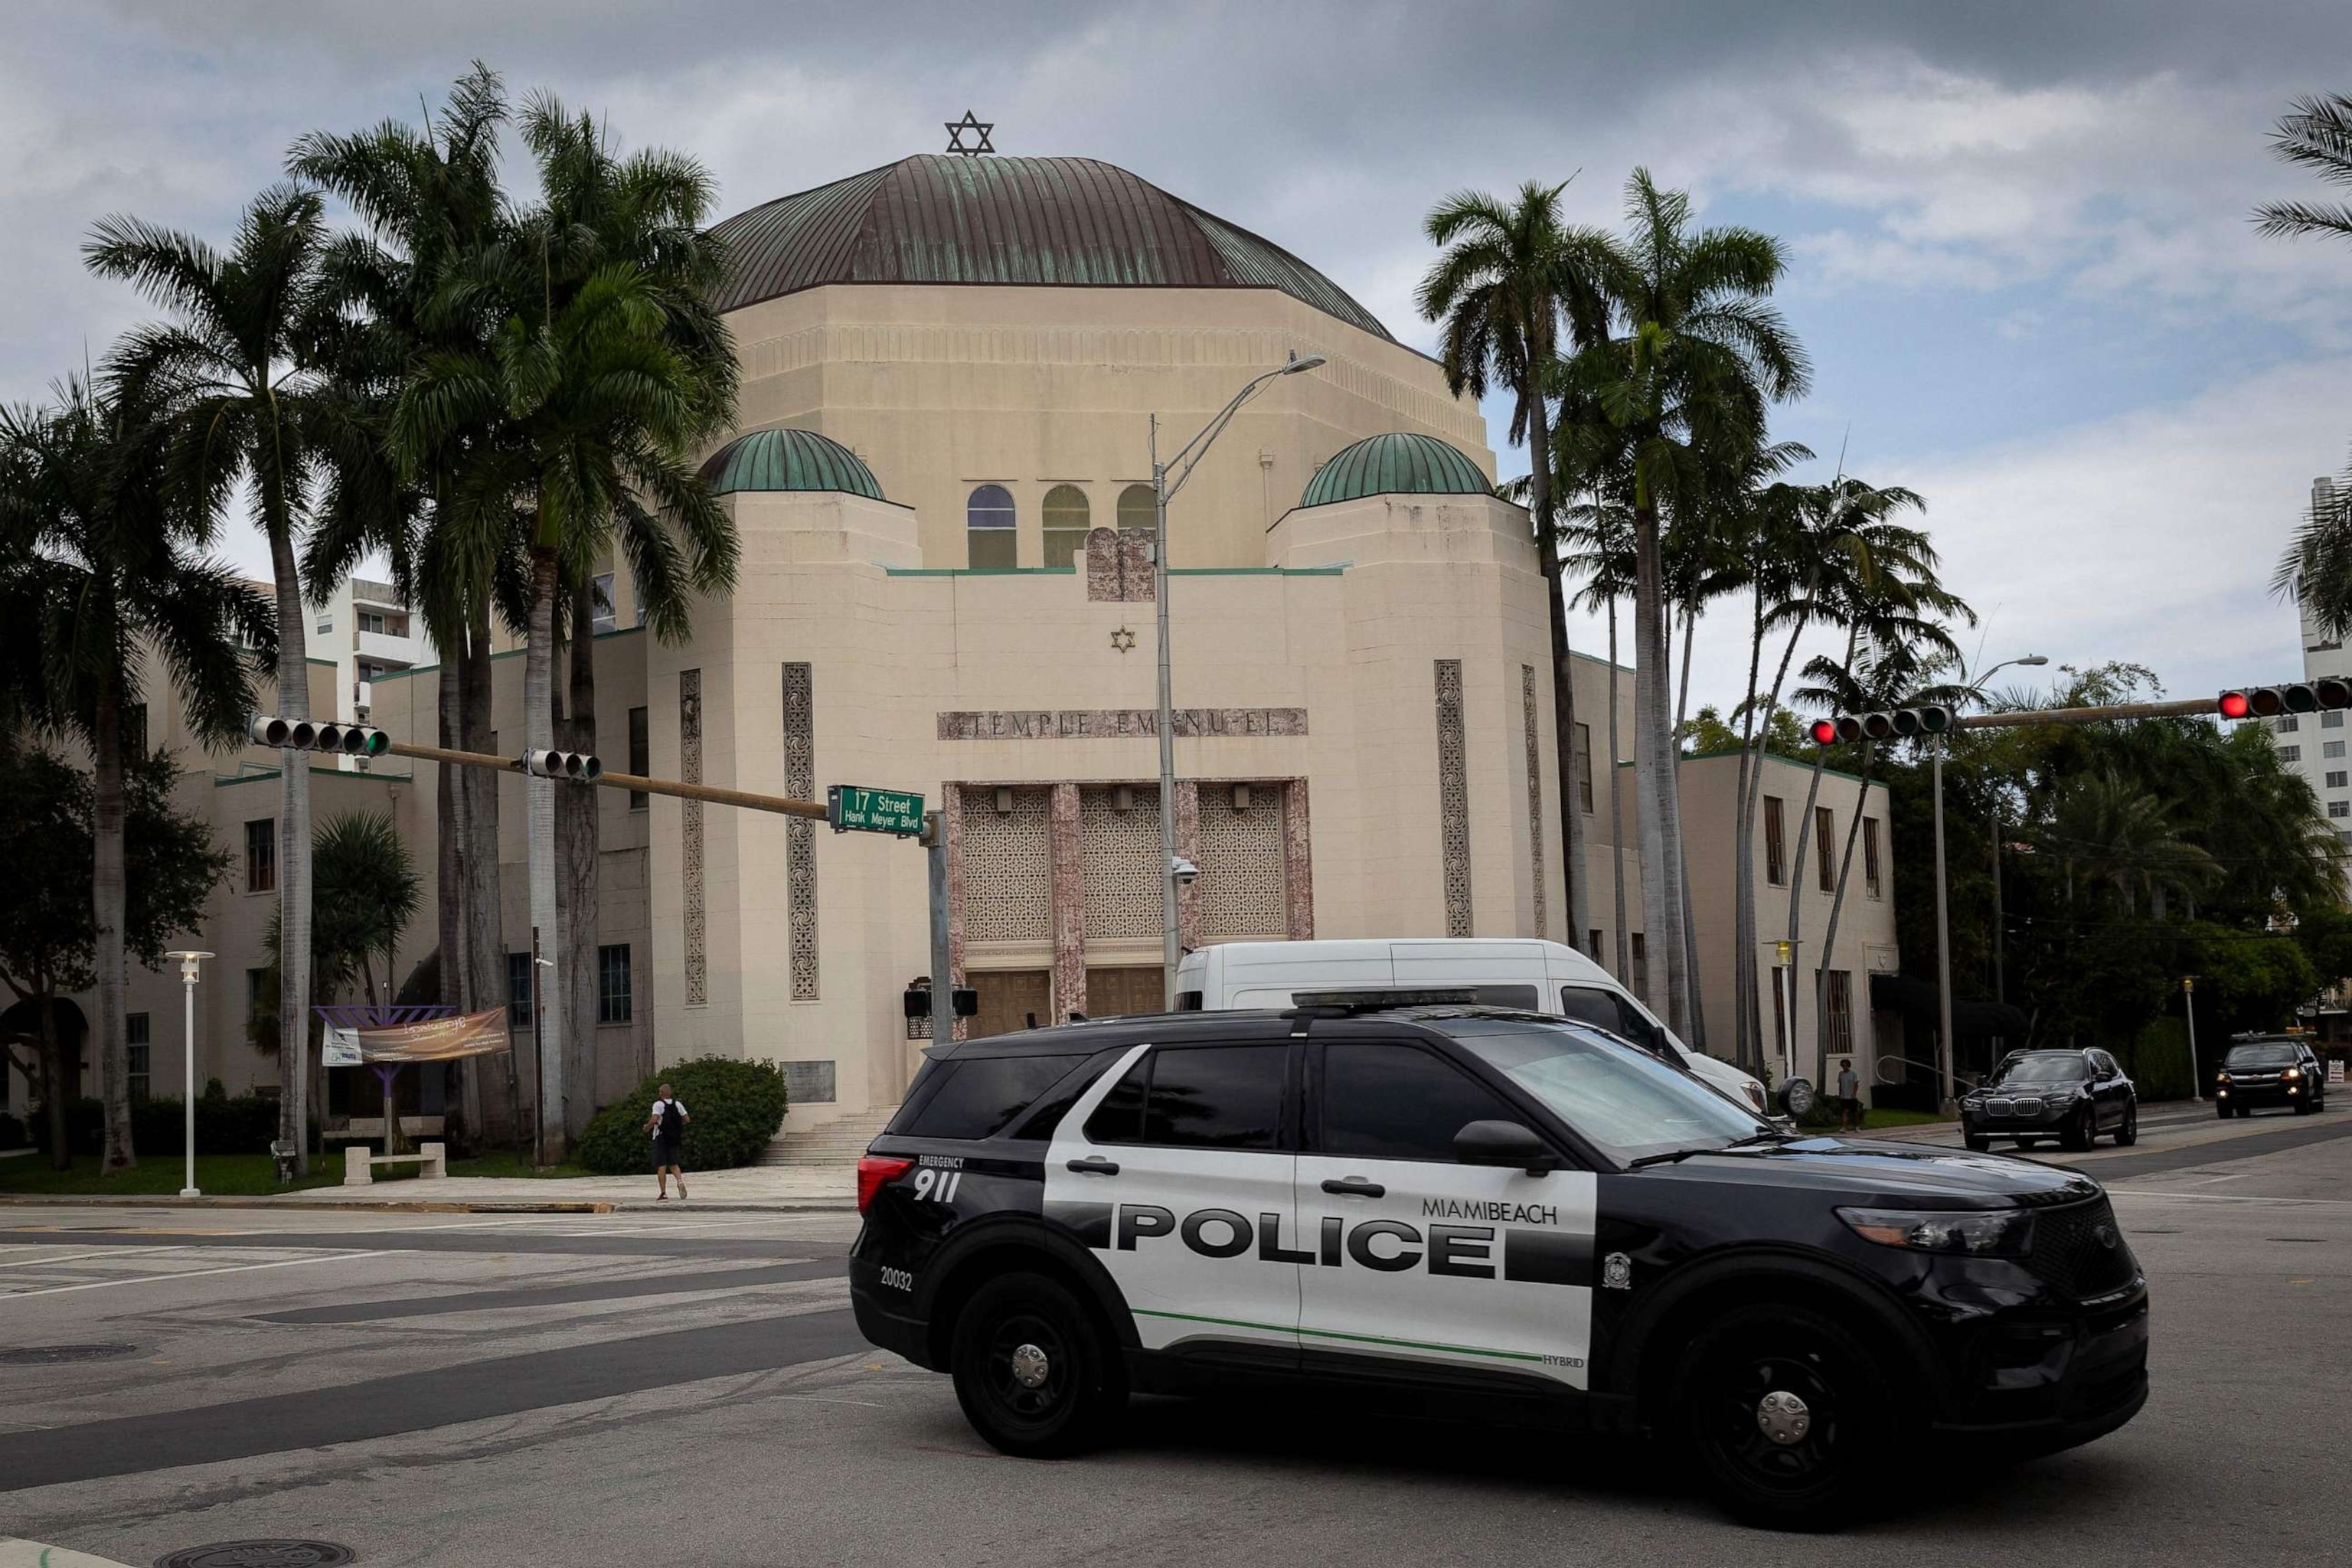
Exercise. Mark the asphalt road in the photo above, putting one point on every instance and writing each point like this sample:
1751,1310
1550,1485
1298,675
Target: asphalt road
687,1387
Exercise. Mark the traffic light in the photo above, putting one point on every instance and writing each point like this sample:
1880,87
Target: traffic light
304,735
581,767
1824,731
1929,719
2270,701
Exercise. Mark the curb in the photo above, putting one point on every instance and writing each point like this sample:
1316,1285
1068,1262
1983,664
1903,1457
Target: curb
282,1205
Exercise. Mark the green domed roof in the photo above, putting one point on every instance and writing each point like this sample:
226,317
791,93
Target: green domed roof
1062,222
1400,463
788,460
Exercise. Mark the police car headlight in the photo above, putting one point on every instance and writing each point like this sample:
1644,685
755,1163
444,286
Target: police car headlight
1997,1233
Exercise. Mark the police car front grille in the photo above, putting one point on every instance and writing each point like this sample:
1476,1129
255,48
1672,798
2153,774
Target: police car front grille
2069,1252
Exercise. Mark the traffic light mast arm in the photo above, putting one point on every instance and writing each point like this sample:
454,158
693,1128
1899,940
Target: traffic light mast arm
811,809
2184,709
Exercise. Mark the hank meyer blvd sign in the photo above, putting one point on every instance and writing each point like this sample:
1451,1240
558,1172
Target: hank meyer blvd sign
852,807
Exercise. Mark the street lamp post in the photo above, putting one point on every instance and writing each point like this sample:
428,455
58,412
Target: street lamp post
1167,478
1947,1102
190,960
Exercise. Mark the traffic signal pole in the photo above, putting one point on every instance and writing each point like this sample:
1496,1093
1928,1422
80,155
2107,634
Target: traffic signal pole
749,801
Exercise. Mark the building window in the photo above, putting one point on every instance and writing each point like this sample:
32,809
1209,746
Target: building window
136,1042
989,529
1870,856
370,671
1824,847
371,622
1840,1011
2290,753
1139,509
606,618
1641,970
326,624
1592,944
2332,719
1776,858
2331,749
519,991
2339,808
2286,725
1584,765
2337,779
641,756
612,999
1065,525
261,855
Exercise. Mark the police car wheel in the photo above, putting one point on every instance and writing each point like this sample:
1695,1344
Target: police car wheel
1033,1373
1782,1408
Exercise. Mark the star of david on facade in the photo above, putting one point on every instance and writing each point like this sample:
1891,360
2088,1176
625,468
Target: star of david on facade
956,128
1123,640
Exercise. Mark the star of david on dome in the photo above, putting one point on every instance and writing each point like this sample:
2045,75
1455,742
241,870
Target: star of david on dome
956,128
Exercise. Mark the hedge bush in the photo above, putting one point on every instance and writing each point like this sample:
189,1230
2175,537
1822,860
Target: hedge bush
2158,1061
736,1106
245,1125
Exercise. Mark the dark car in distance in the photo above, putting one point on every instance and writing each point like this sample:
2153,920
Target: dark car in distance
2071,1097
2279,1071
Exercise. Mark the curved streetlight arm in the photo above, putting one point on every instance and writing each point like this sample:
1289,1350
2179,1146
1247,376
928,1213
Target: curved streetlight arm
1180,467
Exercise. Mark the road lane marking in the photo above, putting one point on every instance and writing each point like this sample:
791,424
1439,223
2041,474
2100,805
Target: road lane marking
193,1274
93,1252
2218,1197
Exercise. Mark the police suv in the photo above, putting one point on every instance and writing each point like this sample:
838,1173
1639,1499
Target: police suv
1460,1209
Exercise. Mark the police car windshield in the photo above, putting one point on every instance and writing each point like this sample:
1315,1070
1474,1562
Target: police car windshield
1622,1099
2261,1056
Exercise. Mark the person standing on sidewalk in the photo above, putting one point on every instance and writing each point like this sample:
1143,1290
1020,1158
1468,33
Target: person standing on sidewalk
1849,1095
667,1122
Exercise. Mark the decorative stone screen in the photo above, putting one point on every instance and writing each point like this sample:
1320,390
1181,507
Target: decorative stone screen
1241,861
800,834
1119,852
1008,867
689,757
1535,794
1453,797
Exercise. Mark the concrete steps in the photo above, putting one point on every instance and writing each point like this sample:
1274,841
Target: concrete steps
835,1144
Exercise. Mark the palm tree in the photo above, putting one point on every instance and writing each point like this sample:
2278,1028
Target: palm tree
429,196
234,379
1683,384
1597,538
1508,276
122,580
604,372
2319,137
368,894
2120,838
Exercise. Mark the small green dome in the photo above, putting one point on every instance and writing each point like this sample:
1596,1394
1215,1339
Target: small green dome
1400,463
788,460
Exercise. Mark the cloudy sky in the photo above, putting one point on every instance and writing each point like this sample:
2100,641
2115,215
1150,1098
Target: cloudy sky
2022,260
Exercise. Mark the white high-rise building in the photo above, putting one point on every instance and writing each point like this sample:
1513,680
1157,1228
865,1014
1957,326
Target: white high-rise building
368,631
2315,744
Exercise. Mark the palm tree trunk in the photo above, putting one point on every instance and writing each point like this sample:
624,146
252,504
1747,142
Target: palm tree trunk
576,847
1795,901
484,936
449,883
1749,1025
57,1079
293,840
1653,763
1837,907
538,728
107,897
1616,809
1696,1038
1563,674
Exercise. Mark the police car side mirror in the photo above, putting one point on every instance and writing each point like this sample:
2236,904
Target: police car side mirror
1502,1143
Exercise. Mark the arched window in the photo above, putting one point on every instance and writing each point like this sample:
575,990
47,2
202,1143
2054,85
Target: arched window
1065,525
988,527
1137,508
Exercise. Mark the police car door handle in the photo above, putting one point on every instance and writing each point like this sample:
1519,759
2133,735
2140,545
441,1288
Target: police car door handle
1095,1165
1355,1187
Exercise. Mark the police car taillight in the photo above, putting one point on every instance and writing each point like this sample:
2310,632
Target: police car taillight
876,1172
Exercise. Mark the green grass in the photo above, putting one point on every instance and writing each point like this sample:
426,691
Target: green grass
1876,1117
229,1175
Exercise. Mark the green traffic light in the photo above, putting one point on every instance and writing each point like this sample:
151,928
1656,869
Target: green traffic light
378,743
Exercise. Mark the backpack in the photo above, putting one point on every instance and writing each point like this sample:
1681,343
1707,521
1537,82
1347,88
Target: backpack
673,1121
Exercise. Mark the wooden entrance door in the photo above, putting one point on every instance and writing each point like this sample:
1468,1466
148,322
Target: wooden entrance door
1114,992
1011,999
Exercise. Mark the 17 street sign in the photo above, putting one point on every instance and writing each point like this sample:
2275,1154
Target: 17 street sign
851,807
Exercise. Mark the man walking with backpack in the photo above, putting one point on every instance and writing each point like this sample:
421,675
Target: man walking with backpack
667,1122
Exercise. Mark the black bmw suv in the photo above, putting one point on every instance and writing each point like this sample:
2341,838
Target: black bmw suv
2035,1097
1481,1212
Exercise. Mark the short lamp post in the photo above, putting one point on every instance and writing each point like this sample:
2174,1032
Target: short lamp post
190,961
1784,983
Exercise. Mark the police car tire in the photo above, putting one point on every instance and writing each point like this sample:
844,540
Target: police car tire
1818,1482
1082,1390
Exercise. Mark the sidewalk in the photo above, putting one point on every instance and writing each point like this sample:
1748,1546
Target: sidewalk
751,1187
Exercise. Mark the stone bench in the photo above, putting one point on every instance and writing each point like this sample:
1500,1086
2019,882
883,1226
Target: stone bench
431,1160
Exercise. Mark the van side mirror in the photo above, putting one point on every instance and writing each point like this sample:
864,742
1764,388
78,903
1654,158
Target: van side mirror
1504,1143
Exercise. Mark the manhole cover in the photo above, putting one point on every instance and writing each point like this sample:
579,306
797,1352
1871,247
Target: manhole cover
259,1555
46,1355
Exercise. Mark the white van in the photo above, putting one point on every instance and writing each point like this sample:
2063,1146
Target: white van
1501,972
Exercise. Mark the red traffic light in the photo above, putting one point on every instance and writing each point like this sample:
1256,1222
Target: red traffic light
2235,705
1824,731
